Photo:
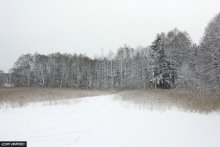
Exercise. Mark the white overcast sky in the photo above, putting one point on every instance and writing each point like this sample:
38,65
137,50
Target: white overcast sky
86,26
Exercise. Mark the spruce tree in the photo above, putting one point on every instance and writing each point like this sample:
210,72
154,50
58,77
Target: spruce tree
161,76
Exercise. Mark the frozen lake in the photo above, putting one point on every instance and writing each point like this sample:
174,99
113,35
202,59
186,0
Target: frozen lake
103,121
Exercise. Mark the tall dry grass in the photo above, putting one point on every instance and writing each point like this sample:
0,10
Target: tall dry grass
193,101
16,97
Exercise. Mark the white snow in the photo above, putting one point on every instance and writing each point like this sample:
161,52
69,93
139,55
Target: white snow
105,122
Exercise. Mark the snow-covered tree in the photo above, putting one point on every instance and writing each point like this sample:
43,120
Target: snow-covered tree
210,54
187,79
161,67
177,49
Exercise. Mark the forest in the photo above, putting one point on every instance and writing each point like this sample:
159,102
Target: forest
172,60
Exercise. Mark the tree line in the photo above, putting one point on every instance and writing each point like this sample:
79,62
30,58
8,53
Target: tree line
171,61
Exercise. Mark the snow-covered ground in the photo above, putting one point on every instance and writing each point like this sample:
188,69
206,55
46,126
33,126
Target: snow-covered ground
103,121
